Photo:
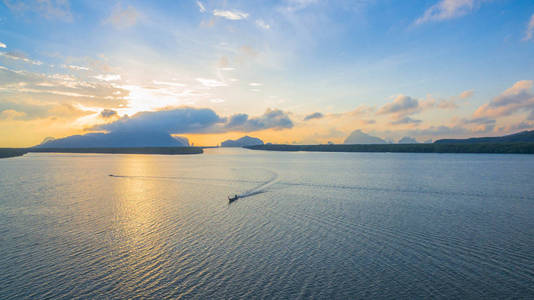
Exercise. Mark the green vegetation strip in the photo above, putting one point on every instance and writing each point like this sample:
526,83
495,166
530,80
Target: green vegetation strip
518,148
11,152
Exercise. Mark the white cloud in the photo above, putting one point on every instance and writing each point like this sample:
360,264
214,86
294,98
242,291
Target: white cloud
201,7
108,77
21,57
530,29
77,68
255,84
230,14
211,82
447,9
216,100
262,24
2,45
175,84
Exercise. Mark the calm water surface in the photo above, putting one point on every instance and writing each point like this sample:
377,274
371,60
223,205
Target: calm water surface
322,225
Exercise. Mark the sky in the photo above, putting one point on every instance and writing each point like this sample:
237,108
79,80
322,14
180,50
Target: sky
287,71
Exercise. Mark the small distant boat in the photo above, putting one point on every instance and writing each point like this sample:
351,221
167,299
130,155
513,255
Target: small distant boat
231,199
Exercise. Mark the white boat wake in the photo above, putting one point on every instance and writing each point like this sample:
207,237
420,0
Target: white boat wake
260,188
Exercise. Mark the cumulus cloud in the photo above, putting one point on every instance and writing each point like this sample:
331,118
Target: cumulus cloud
108,113
196,120
447,9
123,18
530,29
515,99
271,119
201,7
401,105
179,120
230,14
2,45
316,115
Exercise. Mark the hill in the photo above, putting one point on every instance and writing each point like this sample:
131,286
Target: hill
360,137
244,141
520,137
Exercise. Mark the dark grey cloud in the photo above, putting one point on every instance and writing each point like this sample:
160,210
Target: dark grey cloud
179,120
271,119
157,128
108,113
316,115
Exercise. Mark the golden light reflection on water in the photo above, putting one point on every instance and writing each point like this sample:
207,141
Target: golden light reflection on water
137,216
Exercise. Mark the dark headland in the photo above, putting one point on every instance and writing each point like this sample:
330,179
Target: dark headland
519,143
12,152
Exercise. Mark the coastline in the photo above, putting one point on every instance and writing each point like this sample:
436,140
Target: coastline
13,152
496,148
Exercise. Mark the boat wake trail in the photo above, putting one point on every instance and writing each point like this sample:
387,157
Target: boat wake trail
260,188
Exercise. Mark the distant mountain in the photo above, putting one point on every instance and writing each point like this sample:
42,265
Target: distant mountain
524,136
116,140
407,140
244,141
359,137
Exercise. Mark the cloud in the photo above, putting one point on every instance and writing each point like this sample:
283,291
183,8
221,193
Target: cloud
296,5
230,14
47,89
447,9
123,18
108,113
406,120
2,45
262,24
196,120
517,127
401,105
255,84
11,114
20,56
271,119
211,82
201,7
76,68
530,29
514,99
50,9
179,120
108,77
466,94
316,115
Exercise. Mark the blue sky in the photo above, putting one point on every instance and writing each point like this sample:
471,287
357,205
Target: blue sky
347,60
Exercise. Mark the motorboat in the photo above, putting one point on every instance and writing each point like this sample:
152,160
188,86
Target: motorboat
231,199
